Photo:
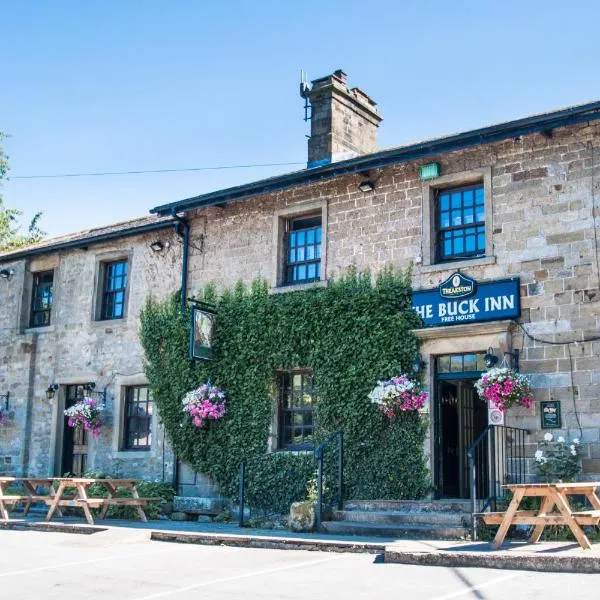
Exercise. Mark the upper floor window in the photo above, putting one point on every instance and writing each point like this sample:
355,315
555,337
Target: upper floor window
296,404
303,250
114,288
460,218
138,418
41,299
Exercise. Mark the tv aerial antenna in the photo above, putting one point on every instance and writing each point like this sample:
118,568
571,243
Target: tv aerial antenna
304,90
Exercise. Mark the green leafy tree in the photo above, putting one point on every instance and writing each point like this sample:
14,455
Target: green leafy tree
10,229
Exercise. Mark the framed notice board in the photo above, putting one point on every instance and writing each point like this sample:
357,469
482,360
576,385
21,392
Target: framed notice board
551,417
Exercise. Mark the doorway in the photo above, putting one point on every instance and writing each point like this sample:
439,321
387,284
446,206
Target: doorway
460,417
75,440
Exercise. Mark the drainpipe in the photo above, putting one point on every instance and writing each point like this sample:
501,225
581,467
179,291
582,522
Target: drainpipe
184,259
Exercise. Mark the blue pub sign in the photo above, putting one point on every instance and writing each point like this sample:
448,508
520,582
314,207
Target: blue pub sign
461,299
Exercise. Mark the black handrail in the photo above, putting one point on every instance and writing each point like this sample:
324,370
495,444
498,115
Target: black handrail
496,457
319,455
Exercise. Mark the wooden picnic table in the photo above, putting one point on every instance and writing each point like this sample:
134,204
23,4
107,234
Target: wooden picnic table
553,495
57,495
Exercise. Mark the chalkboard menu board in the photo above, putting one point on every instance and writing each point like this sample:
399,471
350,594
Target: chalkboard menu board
551,418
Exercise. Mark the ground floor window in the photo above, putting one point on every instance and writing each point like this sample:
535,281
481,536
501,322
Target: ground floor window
138,418
296,409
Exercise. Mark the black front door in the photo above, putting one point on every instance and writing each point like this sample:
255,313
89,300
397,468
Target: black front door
460,417
75,441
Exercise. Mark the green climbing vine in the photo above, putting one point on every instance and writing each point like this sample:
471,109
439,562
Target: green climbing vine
351,333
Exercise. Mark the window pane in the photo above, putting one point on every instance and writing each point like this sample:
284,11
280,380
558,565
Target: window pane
481,241
310,236
456,363
470,362
444,202
456,199
480,213
443,364
312,271
456,217
468,198
301,238
479,195
458,246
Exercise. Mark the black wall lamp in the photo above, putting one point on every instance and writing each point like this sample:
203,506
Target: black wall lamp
367,185
158,246
417,364
491,360
6,273
51,391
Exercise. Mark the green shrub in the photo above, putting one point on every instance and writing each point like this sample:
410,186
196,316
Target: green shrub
351,334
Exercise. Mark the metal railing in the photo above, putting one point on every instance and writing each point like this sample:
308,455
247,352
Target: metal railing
338,499
496,457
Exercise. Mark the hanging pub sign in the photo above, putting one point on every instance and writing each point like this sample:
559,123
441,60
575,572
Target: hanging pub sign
203,323
550,412
461,299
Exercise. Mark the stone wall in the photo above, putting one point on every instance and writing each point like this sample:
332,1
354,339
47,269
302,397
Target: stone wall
76,349
542,206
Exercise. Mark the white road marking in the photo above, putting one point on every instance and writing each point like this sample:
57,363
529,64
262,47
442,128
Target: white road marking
479,586
78,563
238,577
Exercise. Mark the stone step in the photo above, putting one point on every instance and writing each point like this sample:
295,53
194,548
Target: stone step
411,531
411,506
197,505
451,519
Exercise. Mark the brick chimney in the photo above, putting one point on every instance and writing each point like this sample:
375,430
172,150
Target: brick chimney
344,121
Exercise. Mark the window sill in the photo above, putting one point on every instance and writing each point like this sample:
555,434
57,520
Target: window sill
459,264
44,329
133,454
108,322
282,289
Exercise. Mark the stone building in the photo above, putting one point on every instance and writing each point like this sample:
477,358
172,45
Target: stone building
510,209
69,310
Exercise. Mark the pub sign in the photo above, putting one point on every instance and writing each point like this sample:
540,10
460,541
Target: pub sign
460,299
203,323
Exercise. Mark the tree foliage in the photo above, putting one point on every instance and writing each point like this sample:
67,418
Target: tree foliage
10,230
351,334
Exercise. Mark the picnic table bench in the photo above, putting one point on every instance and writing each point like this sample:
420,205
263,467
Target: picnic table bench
56,496
553,495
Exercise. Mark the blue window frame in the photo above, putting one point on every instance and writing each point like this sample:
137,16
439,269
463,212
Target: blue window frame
113,290
460,217
303,250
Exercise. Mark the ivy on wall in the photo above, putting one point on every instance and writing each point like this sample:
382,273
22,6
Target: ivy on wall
351,334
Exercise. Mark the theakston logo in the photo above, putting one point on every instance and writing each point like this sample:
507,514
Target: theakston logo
457,286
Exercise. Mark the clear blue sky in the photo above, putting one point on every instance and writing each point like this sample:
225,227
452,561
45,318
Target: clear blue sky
124,85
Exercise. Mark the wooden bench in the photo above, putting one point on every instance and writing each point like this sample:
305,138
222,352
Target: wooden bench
554,509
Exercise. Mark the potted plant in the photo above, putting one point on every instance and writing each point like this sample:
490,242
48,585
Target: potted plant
398,394
85,414
205,403
503,388
557,460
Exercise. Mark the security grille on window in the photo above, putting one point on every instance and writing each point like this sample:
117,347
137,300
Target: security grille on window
138,418
303,250
461,223
113,290
41,299
296,410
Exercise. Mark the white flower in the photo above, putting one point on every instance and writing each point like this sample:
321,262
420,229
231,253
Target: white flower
539,455
574,452
548,437
576,441
561,439
572,448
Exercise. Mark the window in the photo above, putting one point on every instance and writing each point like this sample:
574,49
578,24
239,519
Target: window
460,217
41,299
113,290
296,402
303,250
138,418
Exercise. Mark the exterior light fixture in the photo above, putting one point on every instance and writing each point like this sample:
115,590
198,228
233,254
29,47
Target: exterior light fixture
51,391
6,273
366,186
89,386
490,358
417,364
157,246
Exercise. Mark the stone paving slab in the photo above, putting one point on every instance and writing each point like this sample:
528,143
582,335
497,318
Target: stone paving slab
558,557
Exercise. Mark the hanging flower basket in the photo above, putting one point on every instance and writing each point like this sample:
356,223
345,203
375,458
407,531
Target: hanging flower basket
204,403
85,415
398,394
503,388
